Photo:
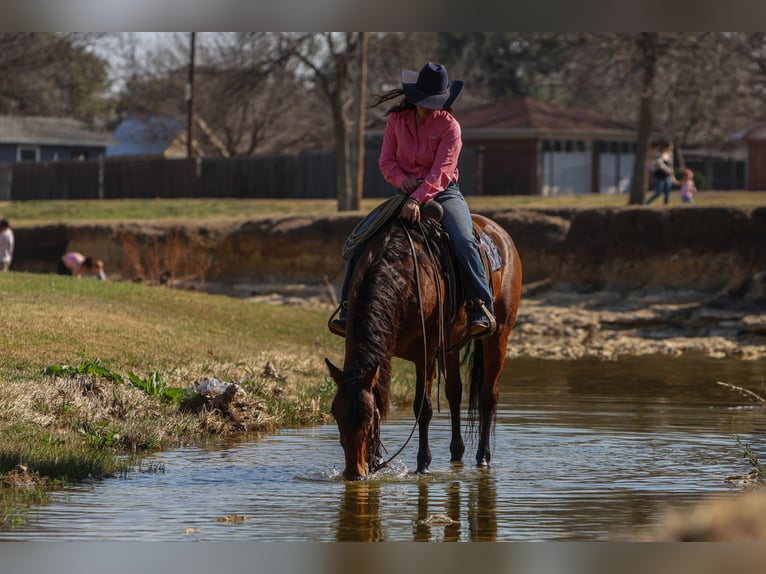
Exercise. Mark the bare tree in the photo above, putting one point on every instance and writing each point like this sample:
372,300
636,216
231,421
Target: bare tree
328,58
647,48
690,88
52,74
247,91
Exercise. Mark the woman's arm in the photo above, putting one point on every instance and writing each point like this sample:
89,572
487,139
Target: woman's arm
387,162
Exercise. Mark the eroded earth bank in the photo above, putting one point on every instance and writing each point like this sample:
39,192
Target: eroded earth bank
599,282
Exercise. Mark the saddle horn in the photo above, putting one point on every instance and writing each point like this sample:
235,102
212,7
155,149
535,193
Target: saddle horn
432,210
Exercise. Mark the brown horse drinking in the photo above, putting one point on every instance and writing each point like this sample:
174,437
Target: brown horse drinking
397,307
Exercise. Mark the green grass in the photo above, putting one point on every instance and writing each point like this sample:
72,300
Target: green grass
51,320
23,213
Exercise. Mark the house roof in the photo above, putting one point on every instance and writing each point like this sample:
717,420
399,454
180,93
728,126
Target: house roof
144,135
527,114
160,135
753,131
46,130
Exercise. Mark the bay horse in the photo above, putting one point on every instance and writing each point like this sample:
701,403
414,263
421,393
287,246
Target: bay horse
397,307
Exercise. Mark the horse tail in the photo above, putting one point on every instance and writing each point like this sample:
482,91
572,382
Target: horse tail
475,380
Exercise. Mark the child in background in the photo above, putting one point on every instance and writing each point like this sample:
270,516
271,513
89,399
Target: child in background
77,264
688,189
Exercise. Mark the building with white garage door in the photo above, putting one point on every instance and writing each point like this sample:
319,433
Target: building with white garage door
528,147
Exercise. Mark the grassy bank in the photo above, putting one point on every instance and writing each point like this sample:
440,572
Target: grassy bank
79,211
88,368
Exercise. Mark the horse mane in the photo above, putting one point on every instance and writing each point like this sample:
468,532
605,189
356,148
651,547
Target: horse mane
382,289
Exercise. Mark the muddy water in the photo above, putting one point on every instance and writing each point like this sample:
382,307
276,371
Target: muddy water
582,451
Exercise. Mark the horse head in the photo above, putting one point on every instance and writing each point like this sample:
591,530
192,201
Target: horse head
357,414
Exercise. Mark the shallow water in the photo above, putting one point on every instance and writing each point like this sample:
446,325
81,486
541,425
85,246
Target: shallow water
582,451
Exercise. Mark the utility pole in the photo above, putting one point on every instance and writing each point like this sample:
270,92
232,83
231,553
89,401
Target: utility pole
362,119
190,101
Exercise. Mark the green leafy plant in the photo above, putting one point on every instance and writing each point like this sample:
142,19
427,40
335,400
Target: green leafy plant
87,367
155,386
759,470
100,435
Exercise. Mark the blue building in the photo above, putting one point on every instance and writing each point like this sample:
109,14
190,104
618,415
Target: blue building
40,138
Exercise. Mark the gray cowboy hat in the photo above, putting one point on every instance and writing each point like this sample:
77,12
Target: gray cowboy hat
431,88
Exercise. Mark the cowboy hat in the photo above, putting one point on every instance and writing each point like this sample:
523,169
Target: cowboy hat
431,88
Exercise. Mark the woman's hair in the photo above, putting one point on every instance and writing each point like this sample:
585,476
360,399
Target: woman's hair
400,106
88,262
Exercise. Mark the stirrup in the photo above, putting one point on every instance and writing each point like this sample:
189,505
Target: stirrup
486,325
337,326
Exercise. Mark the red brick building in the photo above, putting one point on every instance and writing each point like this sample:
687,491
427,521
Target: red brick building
754,140
528,147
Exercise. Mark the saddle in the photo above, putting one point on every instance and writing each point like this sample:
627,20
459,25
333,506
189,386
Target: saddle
456,287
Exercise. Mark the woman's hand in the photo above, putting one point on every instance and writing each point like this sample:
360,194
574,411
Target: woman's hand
410,185
410,211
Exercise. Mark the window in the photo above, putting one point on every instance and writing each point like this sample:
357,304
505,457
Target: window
28,154
566,146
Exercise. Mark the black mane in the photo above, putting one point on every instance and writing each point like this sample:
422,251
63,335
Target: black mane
379,298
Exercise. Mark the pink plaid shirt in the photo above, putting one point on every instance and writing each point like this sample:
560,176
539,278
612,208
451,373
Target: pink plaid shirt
429,152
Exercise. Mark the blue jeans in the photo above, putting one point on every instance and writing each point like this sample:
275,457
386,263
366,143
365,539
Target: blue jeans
661,186
458,225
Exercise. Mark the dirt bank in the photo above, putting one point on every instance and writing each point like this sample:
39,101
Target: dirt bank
599,282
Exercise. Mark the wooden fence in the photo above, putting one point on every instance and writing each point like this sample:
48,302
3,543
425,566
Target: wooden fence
308,175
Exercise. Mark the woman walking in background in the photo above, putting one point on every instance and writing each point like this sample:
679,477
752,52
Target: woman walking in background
663,173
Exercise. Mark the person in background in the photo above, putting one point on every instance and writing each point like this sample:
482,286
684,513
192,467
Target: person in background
6,244
76,264
663,173
688,189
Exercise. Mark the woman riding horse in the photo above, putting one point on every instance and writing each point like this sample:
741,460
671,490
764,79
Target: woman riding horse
396,289
421,146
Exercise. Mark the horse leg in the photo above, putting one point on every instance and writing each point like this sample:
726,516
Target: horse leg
453,388
423,413
494,350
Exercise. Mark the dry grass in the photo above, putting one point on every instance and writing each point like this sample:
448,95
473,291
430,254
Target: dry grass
206,211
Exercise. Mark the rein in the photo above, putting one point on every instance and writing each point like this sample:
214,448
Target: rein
425,345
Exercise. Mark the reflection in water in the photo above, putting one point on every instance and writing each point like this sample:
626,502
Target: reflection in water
482,515
452,530
359,517
458,510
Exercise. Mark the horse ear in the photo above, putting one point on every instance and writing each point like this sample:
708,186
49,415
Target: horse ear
335,372
369,380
